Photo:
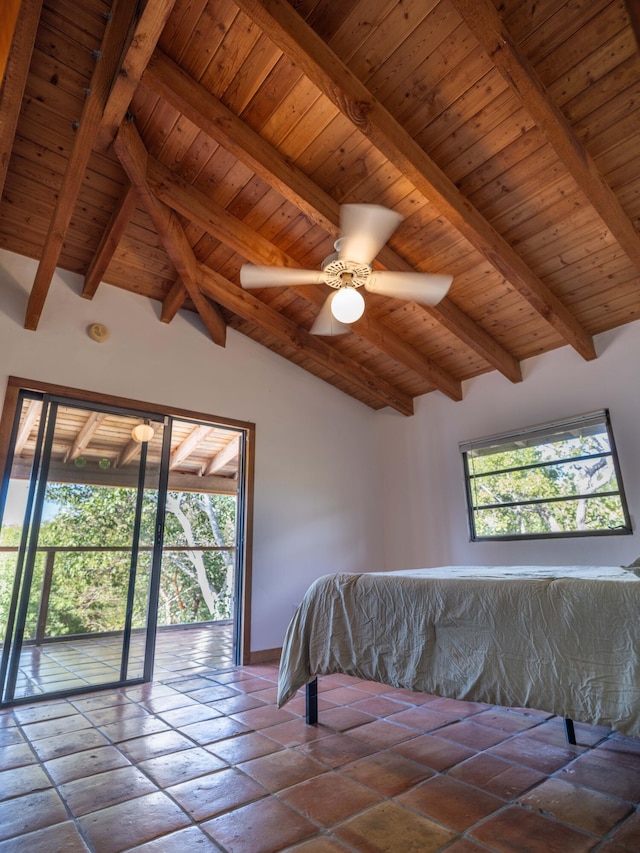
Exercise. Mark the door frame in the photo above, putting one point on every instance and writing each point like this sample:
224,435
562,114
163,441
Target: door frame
245,523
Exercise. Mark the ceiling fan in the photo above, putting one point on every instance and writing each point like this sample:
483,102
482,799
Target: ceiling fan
364,229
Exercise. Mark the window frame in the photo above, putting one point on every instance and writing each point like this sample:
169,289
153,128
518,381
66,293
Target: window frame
502,441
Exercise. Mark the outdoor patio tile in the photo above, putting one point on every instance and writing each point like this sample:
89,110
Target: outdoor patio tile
132,823
215,793
180,766
267,826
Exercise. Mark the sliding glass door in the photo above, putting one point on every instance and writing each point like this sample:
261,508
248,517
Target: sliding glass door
80,546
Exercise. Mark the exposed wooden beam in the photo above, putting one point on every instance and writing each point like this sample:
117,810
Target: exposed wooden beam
287,29
217,221
84,436
173,301
228,453
633,11
247,306
132,154
129,452
15,72
167,80
109,241
127,477
487,26
140,47
10,12
31,416
188,445
101,80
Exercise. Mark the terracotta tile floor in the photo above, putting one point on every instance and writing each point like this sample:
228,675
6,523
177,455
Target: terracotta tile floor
202,760
74,664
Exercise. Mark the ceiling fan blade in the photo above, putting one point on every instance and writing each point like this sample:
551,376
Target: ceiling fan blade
325,323
364,229
424,288
252,276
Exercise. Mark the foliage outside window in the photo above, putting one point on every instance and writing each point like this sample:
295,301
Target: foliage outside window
556,479
89,588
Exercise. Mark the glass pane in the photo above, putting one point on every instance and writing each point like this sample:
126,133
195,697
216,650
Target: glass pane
559,480
594,513
76,621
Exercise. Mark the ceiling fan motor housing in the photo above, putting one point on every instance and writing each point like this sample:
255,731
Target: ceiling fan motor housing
342,273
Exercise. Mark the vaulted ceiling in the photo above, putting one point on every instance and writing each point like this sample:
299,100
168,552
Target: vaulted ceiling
158,146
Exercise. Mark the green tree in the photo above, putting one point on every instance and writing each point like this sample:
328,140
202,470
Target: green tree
89,587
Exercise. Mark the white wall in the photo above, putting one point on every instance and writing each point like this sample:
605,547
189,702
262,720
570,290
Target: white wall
316,498
337,486
424,502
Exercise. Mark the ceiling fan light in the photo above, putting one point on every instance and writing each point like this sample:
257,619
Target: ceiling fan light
143,432
347,305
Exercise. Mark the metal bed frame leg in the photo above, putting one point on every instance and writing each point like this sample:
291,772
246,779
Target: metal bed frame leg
569,731
311,702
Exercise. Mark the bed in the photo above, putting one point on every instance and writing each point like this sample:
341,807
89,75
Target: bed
565,640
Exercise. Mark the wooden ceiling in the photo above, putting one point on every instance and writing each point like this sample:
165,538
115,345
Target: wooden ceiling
158,146
97,448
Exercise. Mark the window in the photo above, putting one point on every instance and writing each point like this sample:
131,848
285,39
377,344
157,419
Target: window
555,479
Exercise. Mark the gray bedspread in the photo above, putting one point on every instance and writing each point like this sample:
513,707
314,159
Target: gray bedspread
564,640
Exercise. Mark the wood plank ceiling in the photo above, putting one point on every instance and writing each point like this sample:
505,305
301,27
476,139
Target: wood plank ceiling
158,146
